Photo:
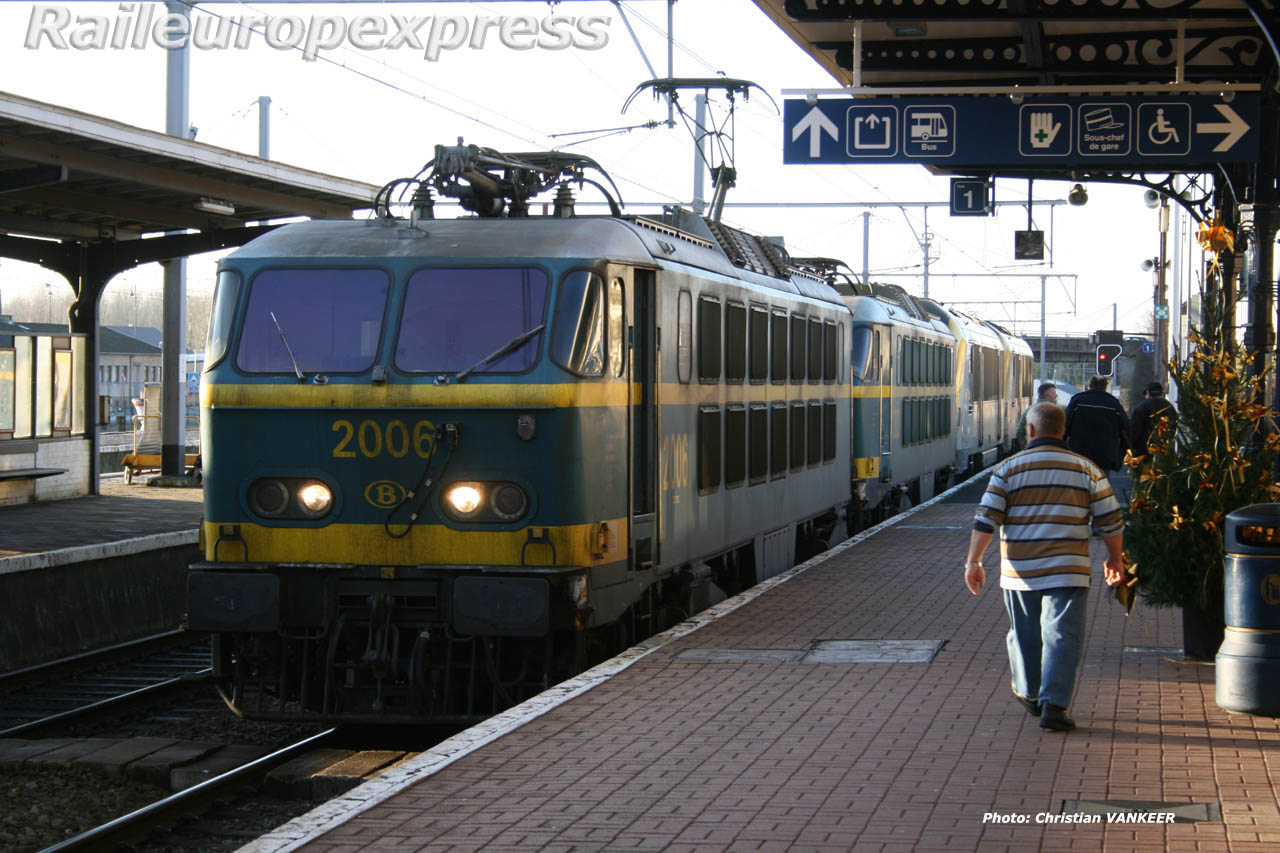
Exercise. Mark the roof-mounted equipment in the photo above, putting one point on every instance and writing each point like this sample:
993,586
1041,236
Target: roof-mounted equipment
492,184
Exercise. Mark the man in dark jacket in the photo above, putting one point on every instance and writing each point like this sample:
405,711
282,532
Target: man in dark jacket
1097,426
1151,410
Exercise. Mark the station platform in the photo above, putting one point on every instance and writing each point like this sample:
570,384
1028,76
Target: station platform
744,729
94,570
97,522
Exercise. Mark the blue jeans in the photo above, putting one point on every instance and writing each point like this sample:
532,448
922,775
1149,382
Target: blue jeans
1046,641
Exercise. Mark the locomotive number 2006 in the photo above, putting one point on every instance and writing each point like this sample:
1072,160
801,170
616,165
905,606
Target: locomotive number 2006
371,439
675,461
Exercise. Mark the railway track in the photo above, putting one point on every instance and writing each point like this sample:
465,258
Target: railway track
38,698
169,812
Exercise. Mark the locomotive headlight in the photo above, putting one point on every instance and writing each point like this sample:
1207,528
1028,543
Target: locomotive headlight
269,497
315,499
464,498
508,501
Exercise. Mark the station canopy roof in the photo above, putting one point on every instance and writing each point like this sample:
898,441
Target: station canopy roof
73,176
1104,43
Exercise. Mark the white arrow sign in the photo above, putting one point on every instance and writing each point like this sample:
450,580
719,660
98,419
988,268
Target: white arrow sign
1234,127
815,122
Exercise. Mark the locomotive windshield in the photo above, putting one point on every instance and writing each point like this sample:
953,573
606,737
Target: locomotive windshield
455,318
317,320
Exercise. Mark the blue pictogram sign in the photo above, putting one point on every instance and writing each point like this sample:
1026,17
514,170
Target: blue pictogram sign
1133,130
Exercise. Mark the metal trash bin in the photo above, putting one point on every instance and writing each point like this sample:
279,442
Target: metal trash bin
1248,662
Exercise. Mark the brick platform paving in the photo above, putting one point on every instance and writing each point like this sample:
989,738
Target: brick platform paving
688,754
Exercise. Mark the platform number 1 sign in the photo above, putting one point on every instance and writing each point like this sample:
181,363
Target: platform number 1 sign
970,197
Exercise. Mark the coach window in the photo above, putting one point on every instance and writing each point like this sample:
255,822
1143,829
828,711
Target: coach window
828,430
708,449
815,431
735,445
708,339
778,440
758,443
797,436
815,350
579,341
617,352
829,352
991,378
684,337
798,348
840,350
778,341
735,342
759,344
907,362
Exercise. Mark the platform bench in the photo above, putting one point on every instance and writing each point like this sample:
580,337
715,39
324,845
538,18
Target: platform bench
30,473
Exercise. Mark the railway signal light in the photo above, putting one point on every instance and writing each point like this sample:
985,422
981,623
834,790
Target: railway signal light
1107,355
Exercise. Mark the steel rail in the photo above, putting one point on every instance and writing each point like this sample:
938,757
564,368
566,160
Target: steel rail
110,702
84,657
141,823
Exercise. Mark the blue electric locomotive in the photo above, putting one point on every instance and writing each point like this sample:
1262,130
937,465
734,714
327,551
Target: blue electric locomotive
450,462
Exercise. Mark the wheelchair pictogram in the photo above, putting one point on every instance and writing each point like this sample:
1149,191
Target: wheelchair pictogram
1164,128
1160,131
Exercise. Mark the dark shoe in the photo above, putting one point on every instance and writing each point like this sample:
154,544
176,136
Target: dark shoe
1054,718
1033,708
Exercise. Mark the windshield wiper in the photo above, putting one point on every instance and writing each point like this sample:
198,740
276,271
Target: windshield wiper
285,341
501,351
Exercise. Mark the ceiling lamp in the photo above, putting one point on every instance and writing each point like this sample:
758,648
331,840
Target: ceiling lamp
1078,196
214,205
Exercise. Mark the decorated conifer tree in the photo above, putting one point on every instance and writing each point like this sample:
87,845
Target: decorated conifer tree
1221,456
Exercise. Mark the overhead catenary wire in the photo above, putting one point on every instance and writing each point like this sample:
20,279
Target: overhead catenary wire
191,4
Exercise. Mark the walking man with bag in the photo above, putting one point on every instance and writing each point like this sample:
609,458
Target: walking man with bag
1042,500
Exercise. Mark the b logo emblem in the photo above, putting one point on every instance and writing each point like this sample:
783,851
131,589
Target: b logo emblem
1271,589
384,494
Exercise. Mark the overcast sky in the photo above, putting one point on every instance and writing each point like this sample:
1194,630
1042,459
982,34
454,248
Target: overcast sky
375,113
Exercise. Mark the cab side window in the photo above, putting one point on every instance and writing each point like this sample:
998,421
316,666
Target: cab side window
617,352
684,337
579,341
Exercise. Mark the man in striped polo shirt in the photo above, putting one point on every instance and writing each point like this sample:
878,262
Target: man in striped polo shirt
1043,500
